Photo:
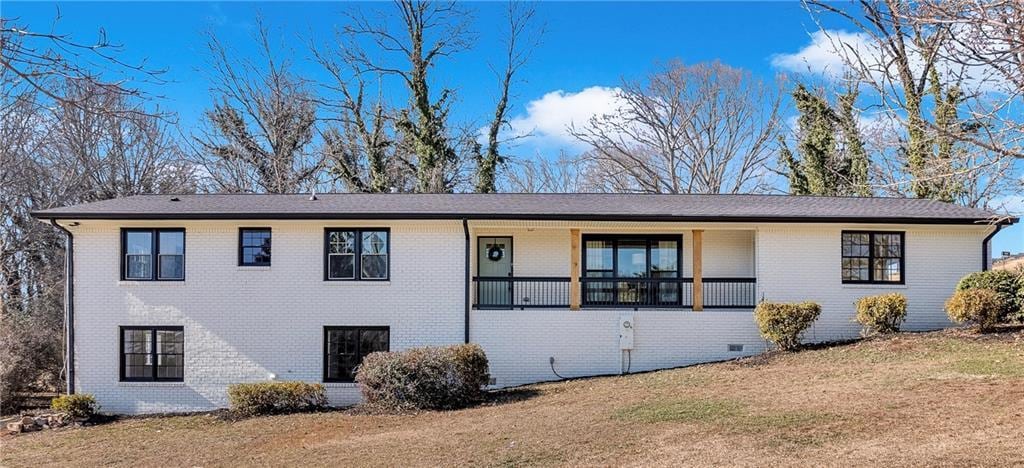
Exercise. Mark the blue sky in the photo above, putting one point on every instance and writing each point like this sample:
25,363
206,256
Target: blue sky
586,51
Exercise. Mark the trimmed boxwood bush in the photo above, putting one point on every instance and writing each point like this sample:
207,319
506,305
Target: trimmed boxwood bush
1008,285
261,398
883,313
975,306
783,323
78,406
445,377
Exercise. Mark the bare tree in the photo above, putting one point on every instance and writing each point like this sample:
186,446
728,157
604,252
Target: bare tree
41,60
705,128
896,62
430,31
518,46
946,148
73,129
359,143
988,39
565,174
987,34
261,126
92,145
981,178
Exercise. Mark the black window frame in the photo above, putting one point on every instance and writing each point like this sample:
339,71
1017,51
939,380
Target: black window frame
357,253
615,238
650,240
871,257
328,329
242,246
154,253
153,329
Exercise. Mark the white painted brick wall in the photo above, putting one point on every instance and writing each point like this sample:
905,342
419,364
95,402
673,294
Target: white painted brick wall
519,343
241,324
796,262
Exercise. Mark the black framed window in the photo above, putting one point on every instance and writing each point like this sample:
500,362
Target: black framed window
872,257
254,247
153,254
636,268
345,348
152,353
357,254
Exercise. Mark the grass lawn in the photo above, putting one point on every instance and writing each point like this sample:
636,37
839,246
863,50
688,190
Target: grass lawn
944,398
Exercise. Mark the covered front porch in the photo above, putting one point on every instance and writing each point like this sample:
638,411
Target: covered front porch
612,265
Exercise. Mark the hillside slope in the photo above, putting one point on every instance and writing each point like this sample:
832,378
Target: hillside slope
950,398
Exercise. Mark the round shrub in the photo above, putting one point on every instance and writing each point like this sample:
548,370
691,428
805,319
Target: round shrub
262,398
78,406
975,306
883,313
783,323
1009,286
444,377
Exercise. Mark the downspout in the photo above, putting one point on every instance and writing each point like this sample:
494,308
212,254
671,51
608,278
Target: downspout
465,278
985,247
69,306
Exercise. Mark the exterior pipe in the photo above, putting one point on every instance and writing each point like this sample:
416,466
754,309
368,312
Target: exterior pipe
985,247
69,306
465,277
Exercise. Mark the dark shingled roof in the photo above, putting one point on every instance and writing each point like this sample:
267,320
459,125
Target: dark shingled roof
622,207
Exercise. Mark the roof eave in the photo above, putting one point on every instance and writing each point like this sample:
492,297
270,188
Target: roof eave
520,217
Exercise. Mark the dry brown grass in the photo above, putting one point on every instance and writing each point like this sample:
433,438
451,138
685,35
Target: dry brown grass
949,398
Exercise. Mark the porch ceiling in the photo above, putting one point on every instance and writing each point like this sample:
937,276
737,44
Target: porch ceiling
608,225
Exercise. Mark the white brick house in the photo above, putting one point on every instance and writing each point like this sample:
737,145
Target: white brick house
543,282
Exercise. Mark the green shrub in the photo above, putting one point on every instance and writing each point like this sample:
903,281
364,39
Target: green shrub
252,399
1007,284
883,313
783,323
975,306
443,377
78,406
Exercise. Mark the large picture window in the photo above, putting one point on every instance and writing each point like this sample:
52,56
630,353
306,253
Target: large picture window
357,254
345,348
152,354
254,247
872,257
153,254
640,270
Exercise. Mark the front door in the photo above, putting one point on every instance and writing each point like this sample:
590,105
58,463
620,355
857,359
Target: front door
494,267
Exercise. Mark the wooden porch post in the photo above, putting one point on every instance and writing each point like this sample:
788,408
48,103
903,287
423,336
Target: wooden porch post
698,282
574,270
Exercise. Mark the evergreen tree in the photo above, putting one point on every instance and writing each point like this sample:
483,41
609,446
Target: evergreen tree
853,145
832,158
940,184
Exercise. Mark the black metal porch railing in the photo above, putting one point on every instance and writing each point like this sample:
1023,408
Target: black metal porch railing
503,292
553,292
727,293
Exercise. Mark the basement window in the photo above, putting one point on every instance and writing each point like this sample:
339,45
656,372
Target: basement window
152,354
345,348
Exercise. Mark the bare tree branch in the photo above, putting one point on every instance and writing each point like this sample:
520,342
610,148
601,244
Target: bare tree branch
706,128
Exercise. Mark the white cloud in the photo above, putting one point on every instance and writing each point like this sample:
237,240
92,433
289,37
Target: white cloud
821,56
548,119
1013,203
827,53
